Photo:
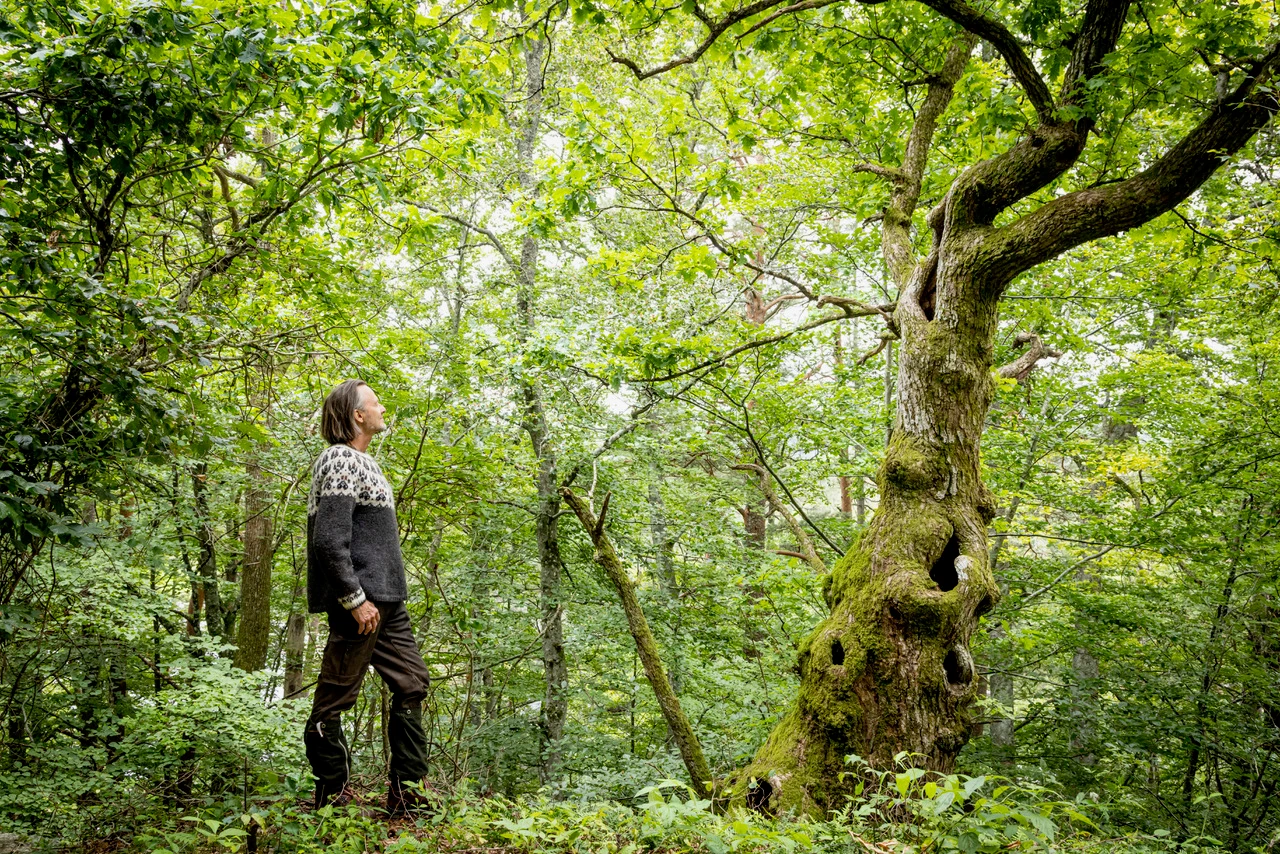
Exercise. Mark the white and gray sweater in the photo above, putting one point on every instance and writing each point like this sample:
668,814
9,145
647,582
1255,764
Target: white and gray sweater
353,543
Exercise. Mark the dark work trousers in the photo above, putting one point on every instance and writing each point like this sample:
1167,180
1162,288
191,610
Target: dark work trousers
393,652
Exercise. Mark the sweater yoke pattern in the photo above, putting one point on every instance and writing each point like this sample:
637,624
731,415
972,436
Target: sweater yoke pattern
344,471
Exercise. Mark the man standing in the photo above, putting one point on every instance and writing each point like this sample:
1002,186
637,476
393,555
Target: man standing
355,574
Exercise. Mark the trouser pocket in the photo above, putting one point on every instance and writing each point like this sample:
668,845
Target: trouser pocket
328,753
408,742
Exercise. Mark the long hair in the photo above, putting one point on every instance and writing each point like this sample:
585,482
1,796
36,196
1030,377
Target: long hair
337,416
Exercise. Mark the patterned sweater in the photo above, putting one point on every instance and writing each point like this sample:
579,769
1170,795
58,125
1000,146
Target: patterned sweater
353,543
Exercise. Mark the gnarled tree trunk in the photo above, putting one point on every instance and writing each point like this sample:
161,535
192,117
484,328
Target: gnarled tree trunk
889,669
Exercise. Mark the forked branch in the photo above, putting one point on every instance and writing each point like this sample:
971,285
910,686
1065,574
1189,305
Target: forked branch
1019,369
998,35
1095,212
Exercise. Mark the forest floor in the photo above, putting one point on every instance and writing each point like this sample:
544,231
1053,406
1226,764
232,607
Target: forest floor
663,822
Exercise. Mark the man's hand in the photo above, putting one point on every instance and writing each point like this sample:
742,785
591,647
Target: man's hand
366,616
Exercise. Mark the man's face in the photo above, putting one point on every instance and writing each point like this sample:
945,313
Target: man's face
369,413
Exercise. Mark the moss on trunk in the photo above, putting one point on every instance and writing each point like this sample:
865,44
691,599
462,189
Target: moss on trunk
889,669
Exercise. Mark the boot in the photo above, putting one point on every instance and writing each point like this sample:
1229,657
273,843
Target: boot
326,795
410,796
328,754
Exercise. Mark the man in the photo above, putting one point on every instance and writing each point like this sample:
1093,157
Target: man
355,574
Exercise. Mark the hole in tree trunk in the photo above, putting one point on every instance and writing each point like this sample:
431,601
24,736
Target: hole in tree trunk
758,798
837,652
943,572
984,606
929,293
957,668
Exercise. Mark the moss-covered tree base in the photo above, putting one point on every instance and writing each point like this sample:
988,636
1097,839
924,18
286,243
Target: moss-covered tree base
889,670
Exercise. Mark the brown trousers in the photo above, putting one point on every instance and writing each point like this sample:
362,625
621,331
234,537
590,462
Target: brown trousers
393,652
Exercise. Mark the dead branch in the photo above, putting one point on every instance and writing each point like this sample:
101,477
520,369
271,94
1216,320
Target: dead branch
807,552
1020,368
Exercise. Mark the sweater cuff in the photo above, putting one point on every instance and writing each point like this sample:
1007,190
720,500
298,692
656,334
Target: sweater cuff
352,601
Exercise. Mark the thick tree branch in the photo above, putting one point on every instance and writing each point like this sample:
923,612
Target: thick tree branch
896,228
1089,214
998,35
1099,32
1050,148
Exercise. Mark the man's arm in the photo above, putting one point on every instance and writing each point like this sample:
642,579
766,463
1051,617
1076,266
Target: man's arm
331,539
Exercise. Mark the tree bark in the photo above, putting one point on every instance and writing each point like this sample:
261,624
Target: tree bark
255,578
554,709
207,568
889,670
646,646
294,641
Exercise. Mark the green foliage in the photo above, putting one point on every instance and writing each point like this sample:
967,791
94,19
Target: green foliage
211,212
949,813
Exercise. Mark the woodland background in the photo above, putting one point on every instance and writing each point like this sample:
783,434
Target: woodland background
212,211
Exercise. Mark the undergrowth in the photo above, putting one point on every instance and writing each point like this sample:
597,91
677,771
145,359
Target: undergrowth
905,811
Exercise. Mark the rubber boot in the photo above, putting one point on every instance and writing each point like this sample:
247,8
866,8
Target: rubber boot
330,760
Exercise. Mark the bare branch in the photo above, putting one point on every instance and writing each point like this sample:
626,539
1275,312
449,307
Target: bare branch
1061,575
488,235
598,531
1021,368
764,462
